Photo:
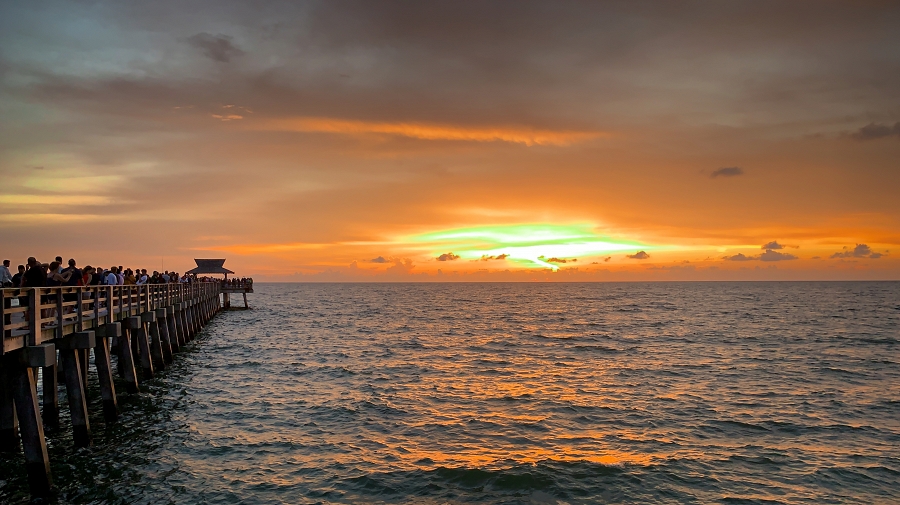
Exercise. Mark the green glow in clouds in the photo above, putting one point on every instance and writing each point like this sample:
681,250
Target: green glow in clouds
526,244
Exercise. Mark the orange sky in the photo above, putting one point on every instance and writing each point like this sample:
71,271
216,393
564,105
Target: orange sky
455,140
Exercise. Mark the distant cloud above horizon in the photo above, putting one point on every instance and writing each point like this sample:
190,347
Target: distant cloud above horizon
215,47
727,172
640,255
873,131
769,255
448,257
859,251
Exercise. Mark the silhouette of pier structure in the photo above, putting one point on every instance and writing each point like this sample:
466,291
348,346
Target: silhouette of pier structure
234,286
53,330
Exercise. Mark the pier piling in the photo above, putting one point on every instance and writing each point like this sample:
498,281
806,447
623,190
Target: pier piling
104,370
31,426
143,325
9,424
162,327
50,381
71,358
174,337
152,328
126,364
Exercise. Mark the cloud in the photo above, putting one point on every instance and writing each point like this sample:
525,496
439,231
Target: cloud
773,245
430,131
215,47
727,172
771,255
561,260
448,257
227,117
860,251
379,259
485,257
606,259
874,131
640,255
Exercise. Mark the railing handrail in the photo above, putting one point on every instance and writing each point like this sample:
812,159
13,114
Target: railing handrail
59,308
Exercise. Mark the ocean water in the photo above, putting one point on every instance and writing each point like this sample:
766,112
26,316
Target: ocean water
513,393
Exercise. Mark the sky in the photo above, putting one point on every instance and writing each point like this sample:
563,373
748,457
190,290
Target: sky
455,140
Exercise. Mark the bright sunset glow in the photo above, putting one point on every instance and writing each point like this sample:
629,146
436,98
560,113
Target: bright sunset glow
525,245
364,142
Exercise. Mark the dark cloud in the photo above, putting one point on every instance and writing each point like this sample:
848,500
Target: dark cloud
215,47
860,251
771,255
774,245
727,172
448,257
874,131
640,255
561,260
606,259
379,259
485,257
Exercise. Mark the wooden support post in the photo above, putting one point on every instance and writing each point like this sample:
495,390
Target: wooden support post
51,396
104,370
9,425
163,327
179,320
174,338
126,359
85,356
246,306
191,315
31,427
138,333
70,357
117,348
188,320
152,329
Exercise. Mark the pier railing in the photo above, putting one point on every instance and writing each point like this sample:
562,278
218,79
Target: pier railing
64,310
53,330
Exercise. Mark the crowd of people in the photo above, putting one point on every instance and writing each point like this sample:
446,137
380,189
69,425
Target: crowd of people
35,274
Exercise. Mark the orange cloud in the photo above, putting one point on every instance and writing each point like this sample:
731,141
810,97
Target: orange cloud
428,131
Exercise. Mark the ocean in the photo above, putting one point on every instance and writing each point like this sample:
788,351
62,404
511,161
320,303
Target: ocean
739,393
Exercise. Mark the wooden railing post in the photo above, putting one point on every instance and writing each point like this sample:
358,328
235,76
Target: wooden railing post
34,317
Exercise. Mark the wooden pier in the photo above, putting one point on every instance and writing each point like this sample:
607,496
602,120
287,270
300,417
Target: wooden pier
55,329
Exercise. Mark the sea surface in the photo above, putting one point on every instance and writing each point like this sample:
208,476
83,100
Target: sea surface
738,393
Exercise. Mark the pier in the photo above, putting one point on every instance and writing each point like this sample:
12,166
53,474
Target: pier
54,330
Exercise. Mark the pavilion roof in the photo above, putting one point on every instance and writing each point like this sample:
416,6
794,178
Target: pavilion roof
209,266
